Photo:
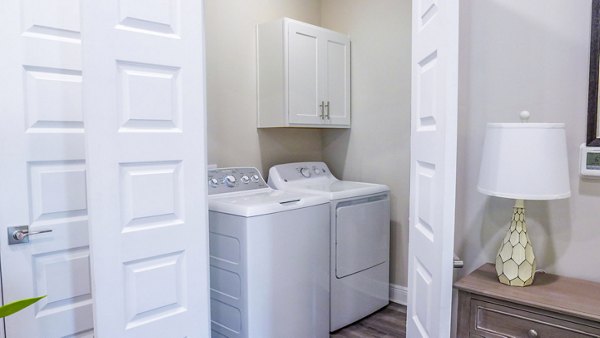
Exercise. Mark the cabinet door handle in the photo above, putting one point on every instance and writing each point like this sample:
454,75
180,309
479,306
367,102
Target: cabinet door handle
322,105
327,105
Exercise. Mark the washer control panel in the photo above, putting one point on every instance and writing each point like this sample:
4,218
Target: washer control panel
298,171
223,180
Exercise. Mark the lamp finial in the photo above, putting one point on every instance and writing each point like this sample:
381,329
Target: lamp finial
524,115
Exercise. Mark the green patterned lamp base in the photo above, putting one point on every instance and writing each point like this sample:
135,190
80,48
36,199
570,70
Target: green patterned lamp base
515,262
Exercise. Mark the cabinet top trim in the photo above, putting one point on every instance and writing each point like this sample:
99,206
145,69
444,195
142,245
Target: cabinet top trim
290,20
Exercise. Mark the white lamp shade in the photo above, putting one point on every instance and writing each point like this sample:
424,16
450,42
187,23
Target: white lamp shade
525,161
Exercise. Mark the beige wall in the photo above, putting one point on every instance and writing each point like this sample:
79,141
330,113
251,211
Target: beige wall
377,147
531,55
233,139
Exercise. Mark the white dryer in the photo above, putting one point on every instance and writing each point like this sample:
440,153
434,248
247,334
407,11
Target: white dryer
269,258
360,237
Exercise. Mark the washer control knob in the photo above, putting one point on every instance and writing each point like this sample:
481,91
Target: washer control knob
254,178
213,182
305,172
230,181
318,171
245,179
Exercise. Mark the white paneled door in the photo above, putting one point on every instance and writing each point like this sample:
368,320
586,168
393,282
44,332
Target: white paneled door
145,139
433,167
43,170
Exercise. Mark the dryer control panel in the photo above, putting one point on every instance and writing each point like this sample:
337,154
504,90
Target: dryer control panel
301,170
224,180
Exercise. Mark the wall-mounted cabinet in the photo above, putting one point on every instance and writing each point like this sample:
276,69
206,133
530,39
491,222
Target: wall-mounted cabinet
303,76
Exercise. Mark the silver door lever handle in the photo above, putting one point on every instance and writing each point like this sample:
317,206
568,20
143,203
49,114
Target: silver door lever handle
19,235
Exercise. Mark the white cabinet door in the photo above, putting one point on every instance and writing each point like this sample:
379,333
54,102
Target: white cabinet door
305,92
336,78
433,167
42,171
146,129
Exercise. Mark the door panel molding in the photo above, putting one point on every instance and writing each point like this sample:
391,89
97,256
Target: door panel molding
433,167
144,109
43,173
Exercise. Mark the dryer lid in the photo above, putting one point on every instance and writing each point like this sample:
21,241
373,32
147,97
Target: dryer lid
262,202
315,178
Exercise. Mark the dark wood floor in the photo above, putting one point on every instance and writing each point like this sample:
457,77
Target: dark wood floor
389,322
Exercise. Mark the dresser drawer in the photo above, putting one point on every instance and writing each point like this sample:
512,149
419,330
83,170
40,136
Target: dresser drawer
489,319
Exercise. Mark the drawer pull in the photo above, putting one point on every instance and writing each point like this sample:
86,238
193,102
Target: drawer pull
532,333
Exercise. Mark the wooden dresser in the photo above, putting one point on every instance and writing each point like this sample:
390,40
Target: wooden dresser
553,306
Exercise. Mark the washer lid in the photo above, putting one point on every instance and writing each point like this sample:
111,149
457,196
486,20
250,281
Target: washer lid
335,190
263,202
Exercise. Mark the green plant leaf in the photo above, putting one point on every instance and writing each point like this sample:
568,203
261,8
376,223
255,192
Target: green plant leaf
17,306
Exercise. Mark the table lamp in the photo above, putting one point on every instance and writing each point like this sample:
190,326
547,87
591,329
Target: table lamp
522,161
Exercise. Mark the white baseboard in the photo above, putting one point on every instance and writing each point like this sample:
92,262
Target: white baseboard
398,294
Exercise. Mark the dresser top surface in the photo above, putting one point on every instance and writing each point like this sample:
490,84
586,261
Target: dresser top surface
551,292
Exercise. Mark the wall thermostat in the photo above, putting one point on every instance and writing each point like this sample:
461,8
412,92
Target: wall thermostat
589,161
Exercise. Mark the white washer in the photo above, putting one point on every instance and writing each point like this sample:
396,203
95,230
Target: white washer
360,237
269,258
